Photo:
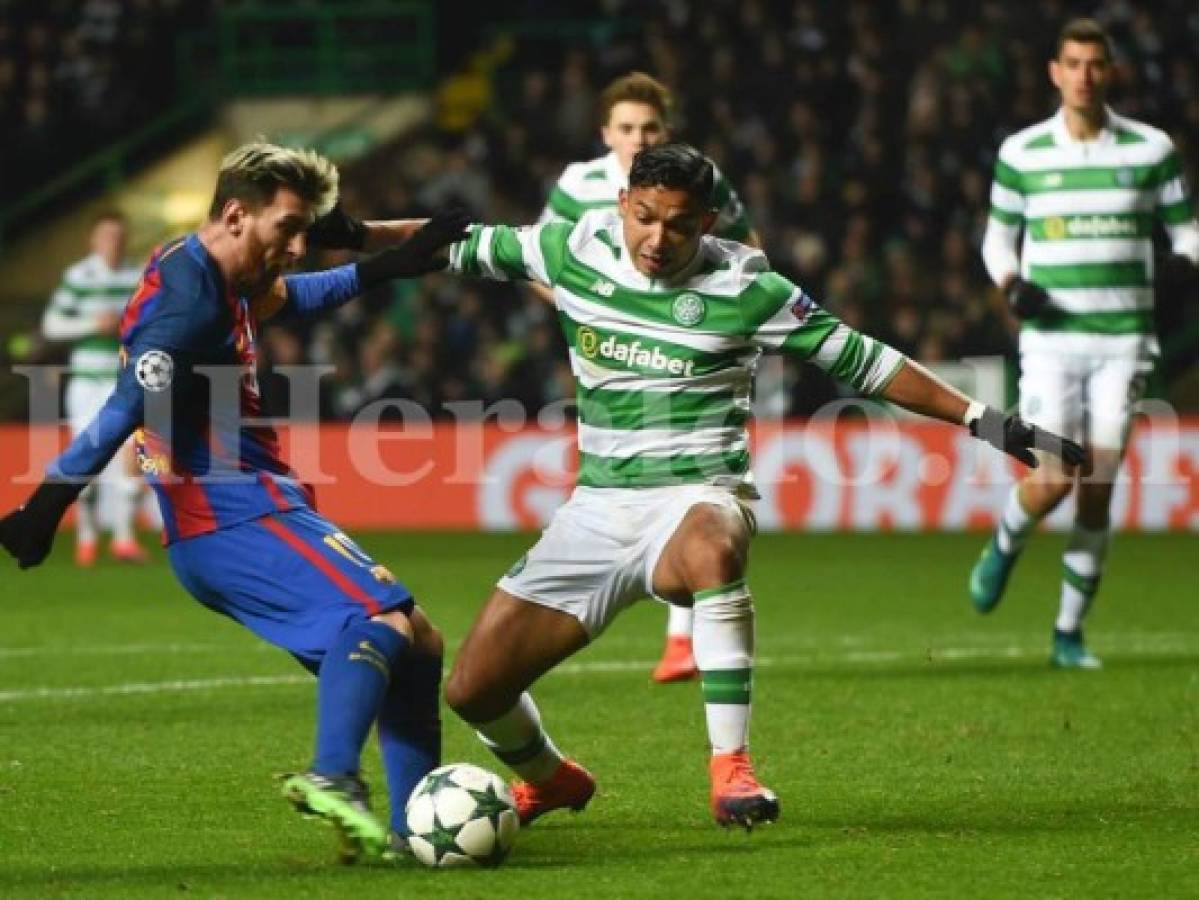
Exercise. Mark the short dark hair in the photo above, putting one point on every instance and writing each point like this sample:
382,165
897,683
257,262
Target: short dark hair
676,166
1084,31
636,87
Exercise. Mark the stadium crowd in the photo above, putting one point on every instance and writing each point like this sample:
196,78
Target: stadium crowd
80,67
860,135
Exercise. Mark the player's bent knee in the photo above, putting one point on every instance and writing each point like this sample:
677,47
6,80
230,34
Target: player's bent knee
397,620
464,695
1045,495
426,637
713,559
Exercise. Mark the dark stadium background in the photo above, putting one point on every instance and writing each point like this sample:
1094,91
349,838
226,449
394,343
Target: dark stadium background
860,135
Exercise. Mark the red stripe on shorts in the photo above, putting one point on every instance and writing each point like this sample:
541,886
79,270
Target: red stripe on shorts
310,553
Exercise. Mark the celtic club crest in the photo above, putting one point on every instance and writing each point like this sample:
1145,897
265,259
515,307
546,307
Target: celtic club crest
689,309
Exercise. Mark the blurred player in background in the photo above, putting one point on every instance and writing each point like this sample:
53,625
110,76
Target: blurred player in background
1085,187
635,112
241,531
665,326
85,310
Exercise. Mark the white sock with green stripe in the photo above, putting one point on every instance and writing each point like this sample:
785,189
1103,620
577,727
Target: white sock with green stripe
518,740
1014,525
723,638
678,622
1082,564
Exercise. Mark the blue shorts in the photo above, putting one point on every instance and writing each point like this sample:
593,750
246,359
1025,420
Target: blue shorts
292,578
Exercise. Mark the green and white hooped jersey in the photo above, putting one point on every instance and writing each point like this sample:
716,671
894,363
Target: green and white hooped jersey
89,289
1087,210
597,184
664,370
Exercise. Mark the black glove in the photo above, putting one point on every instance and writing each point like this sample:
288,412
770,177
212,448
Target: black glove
1014,436
1026,299
336,230
28,533
417,255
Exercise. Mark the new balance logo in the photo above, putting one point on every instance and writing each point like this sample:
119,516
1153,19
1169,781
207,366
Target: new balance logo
603,288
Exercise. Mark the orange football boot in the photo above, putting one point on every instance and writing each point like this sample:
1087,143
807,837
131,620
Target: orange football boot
738,798
570,786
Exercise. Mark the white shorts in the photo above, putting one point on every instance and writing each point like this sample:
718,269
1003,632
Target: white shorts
1090,399
84,398
598,554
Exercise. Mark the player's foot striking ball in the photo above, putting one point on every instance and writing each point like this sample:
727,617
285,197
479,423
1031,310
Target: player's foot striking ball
344,803
570,787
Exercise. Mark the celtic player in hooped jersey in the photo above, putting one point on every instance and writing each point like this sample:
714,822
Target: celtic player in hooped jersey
665,325
85,310
635,112
1085,187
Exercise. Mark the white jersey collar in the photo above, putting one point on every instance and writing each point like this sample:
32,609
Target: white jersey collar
1106,136
618,177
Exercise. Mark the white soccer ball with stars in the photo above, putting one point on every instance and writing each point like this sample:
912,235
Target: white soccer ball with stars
461,815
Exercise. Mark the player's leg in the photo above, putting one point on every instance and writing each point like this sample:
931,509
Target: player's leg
409,721
298,583
512,643
1113,389
81,408
705,561
353,678
126,490
549,605
1051,397
678,658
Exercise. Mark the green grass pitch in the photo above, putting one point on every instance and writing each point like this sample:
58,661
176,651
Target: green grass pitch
918,749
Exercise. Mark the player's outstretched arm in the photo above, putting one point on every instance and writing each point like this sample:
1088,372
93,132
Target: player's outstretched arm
314,292
919,390
28,533
534,253
780,316
338,230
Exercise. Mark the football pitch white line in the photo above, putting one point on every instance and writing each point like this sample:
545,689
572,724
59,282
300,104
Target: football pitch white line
986,641
1164,644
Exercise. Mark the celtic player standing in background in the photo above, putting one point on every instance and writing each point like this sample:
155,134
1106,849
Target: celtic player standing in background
635,112
1085,187
86,310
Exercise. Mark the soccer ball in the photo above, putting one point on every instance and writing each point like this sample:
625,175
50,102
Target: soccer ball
461,815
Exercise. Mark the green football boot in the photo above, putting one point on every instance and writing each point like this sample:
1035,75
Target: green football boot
989,576
344,803
1069,652
397,848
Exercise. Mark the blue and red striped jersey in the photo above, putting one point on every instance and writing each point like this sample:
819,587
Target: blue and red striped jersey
188,390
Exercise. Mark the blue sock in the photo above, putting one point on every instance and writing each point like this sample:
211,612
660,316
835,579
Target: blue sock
352,682
410,730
